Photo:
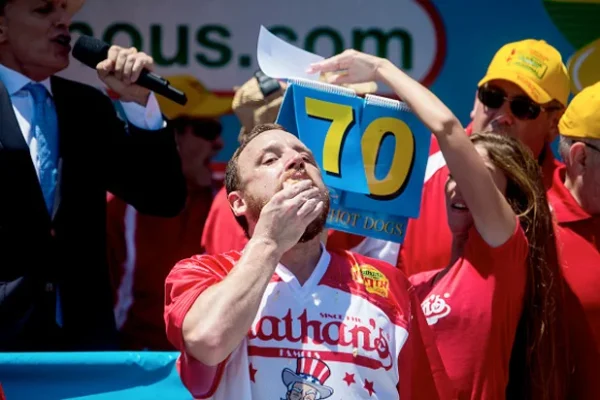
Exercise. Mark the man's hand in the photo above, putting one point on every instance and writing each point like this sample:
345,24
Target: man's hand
285,217
121,69
351,66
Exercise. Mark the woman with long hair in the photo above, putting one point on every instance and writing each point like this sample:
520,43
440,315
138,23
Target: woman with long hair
496,308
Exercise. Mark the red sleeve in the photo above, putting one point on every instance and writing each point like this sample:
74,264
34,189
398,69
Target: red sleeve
186,281
508,259
422,373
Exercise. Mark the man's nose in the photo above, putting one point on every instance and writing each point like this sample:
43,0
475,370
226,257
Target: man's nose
504,115
295,162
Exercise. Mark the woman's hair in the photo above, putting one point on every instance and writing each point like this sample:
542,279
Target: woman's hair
539,365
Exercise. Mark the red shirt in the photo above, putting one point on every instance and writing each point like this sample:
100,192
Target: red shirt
578,242
142,250
428,241
474,310
222,233
356,318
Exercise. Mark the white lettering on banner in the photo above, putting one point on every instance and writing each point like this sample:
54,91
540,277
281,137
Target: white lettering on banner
435,308
216,42
348,334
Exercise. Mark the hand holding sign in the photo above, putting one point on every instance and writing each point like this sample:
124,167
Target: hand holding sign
372,152
349,67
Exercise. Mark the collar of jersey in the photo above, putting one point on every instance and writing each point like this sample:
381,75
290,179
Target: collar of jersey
313,280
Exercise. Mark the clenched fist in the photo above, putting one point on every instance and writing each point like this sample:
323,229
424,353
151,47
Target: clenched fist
121,69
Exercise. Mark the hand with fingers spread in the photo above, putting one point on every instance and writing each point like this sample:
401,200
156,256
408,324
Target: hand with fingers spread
351,66
120,71
284,219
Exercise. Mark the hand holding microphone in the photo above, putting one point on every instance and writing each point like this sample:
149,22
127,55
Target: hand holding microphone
125,71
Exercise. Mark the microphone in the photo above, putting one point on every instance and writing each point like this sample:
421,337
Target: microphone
90,51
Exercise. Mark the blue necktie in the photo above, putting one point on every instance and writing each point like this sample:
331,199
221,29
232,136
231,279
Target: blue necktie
45,128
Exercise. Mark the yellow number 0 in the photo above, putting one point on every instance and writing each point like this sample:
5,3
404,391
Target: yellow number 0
342,117
402,162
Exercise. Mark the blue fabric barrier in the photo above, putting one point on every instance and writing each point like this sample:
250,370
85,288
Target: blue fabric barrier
91,376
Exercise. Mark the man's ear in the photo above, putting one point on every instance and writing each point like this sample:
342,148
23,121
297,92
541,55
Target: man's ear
237,203
577,158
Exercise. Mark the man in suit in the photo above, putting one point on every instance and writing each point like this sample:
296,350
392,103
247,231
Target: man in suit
62,147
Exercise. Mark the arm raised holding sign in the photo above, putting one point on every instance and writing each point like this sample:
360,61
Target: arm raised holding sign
481,185
502,285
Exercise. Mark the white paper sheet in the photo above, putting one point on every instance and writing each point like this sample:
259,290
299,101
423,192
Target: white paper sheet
281,60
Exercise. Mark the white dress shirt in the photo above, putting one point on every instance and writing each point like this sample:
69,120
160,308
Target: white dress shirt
149,117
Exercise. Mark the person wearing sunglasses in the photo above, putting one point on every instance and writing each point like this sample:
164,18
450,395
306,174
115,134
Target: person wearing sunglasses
502,285
143,249
522,95
575,199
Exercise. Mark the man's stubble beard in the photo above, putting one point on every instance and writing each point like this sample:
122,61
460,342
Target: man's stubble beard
313,229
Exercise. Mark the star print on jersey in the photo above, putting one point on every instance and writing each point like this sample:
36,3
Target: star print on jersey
349,379
252,373
369,387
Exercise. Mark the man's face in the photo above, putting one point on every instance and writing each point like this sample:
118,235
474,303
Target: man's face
198,142
34,36
302,391
271,160
534,133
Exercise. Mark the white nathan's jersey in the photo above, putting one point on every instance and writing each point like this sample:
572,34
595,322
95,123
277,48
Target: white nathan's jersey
341,335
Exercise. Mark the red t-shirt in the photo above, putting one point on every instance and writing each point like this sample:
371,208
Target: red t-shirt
353,330
142,249
578,243
428,241
222,233
474,310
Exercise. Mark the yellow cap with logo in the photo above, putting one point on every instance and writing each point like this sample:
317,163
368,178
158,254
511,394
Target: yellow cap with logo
201,103
582,117
534,66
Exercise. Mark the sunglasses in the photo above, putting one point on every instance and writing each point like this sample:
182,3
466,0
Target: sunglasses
206,129
522,107
591,146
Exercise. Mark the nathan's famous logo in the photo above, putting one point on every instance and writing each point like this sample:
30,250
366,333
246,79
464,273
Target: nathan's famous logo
372,279
578,21
340,338
435,308
536,65
410,34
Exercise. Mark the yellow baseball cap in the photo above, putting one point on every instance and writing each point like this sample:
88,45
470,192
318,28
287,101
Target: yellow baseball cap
201,103
533,65
582,117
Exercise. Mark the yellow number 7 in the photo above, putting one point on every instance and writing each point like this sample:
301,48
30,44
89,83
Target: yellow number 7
342,119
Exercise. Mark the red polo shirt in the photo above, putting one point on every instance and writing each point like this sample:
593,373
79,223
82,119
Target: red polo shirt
578,242
428,242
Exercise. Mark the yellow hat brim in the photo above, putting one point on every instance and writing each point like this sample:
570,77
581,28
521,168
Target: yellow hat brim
530,87
210,107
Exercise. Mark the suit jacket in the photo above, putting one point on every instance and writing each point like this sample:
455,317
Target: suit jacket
39,252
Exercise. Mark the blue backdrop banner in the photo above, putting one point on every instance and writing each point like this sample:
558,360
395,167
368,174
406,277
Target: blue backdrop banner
91,376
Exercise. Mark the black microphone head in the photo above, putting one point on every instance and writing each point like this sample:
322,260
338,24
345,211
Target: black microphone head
90,50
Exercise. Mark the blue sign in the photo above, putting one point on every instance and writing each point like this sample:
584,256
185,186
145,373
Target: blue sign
372,153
